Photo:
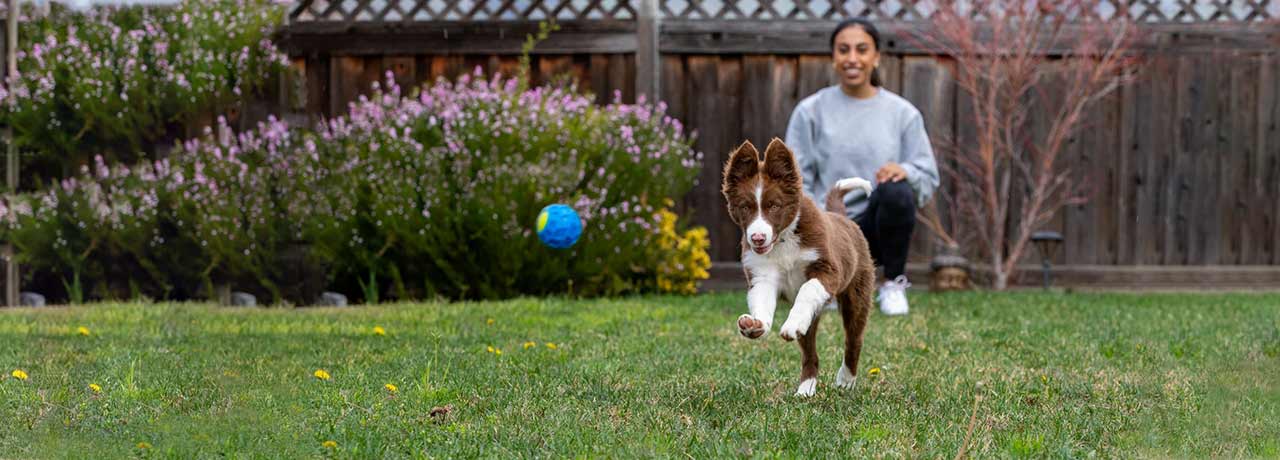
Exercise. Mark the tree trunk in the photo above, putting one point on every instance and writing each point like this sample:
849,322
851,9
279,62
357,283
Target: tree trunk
1002,279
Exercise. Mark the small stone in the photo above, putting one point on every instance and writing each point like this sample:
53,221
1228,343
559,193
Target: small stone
30,299
243,299
332,299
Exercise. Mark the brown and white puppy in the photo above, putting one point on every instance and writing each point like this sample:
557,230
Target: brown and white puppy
817,259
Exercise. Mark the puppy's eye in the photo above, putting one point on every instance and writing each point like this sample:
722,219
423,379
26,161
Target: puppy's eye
774,207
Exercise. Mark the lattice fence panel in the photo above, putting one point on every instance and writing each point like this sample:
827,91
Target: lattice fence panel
460,10
1149,11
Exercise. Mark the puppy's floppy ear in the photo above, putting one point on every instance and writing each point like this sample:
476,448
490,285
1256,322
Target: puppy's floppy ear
743,165
780,163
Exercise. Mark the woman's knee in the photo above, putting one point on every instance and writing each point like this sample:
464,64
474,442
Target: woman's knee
896,197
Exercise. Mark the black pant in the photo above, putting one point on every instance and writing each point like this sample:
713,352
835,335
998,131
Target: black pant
887,223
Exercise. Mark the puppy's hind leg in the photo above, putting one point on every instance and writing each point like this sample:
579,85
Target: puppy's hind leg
855,307
809,361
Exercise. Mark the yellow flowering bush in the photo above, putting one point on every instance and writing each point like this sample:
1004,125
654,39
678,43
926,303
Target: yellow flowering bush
682,257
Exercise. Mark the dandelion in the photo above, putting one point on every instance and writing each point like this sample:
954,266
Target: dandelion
18,374
83,331
528,345
144,445
321,374
390,387
95,388
1044,378
552,345
329,444
490,349
378,330
489,321
873,372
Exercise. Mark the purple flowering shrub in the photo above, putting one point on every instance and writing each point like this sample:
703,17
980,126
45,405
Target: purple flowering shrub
116,80
106,214
438,193
431,194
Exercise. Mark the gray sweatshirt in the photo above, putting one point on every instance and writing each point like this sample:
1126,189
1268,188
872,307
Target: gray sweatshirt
835,136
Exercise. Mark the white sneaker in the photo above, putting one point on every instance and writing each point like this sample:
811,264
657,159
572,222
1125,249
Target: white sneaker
893,296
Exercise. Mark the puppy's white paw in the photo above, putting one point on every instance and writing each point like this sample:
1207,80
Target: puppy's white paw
854,182
845,379
807,388
751,327
795,327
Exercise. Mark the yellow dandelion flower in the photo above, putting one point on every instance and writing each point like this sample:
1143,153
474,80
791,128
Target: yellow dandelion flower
391,388
489,349
321,374
528,345
18,374
497,351
95,388
873,372
329,444
551,345
378,330
83,330
1044,378
144,445
489,321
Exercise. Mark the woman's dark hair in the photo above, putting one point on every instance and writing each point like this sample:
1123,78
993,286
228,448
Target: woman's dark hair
870,29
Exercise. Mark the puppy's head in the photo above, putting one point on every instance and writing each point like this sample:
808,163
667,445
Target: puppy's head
763,196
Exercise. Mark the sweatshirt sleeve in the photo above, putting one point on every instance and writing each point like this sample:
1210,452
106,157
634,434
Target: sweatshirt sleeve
918,159
800,139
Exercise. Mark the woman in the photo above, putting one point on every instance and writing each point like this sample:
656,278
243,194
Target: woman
859,129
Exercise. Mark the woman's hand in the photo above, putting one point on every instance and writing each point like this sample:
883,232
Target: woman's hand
890,172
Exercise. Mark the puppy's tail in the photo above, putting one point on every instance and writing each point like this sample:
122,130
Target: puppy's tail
835,197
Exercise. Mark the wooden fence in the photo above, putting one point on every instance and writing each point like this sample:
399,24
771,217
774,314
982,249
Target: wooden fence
1185,165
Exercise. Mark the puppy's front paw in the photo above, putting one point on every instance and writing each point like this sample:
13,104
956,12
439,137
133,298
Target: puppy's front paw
807,388
793,329
750,327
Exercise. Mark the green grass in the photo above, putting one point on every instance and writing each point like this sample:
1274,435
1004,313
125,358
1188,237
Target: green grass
1054,375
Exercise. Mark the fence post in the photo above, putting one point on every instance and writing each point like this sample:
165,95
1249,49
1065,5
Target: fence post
648,73
11,160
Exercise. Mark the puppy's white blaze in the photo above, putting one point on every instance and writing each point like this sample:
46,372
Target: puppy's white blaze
808,387
845,378
759,225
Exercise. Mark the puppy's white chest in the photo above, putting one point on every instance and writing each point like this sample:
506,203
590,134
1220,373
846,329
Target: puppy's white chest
787,262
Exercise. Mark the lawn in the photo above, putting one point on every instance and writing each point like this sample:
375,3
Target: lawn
1050,375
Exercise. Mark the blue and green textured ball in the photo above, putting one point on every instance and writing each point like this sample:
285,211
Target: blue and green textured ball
559,226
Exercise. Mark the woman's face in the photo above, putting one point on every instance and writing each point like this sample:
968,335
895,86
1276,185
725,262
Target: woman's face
854,57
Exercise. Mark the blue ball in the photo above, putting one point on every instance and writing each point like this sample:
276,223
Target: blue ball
559,226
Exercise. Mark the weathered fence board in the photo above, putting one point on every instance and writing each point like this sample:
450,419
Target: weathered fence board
1268,139
1269,143
1161,158
929,86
